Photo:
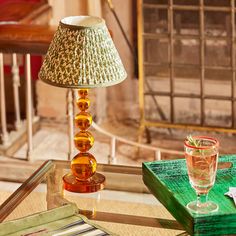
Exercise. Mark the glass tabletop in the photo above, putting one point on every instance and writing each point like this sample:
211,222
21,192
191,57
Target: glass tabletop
125,206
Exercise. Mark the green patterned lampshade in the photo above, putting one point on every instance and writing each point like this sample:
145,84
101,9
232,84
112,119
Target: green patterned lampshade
82,55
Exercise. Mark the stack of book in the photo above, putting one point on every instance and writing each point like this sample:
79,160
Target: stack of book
62,221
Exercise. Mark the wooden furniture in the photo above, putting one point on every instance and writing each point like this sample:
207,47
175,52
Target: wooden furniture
15,12
33,39
25,12
28,40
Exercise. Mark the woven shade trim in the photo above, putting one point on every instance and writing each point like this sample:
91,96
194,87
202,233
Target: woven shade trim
82,57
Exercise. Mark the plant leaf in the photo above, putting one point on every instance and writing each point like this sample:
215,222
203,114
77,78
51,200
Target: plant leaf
192,141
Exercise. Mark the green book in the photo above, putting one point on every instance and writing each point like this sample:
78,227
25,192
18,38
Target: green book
61,221
169,183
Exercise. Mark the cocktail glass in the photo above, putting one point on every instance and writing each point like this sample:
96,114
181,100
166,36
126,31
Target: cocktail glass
201,155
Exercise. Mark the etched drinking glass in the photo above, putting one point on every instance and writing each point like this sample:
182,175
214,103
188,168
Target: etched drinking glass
201,155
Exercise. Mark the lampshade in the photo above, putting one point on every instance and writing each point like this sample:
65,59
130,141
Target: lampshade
82,55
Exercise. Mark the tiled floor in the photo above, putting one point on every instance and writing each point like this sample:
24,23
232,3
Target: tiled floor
51,142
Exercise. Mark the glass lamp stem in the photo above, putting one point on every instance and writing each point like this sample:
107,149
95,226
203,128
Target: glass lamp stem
84,178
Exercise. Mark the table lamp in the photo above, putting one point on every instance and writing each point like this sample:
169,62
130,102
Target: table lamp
82,56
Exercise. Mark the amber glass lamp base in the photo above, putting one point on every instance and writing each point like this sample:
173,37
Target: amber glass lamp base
83,178
93,184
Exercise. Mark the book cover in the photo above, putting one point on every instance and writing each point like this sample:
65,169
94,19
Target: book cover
61,221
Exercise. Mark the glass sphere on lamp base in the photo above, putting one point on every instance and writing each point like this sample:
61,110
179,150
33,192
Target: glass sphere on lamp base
83,178
93,184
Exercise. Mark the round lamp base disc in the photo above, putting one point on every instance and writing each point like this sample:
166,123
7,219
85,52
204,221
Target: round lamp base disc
93,184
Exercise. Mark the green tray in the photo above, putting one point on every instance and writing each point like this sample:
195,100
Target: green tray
169,183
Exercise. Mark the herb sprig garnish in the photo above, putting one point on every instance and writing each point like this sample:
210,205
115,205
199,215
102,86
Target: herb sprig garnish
196,143
193,142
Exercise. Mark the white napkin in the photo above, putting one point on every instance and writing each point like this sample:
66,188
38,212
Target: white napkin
232,193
